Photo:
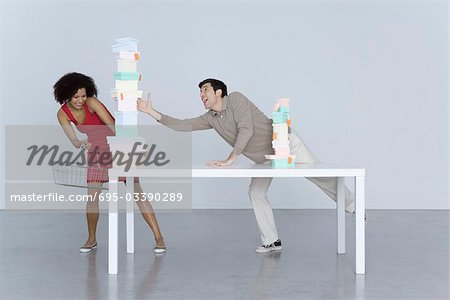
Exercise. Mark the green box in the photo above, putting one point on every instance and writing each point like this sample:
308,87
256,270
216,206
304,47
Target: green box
279,117
126,76
128,131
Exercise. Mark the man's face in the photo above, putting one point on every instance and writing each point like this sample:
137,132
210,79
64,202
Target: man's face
208,96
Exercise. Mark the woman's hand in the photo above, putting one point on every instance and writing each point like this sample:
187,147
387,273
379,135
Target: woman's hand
145,106
84,144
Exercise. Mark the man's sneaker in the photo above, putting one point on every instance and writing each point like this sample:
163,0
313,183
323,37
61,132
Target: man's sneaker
267,248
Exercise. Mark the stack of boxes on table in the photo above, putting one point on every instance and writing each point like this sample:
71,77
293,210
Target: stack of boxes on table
280,137
125,95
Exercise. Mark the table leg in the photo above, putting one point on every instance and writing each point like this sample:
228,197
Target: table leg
113,225
130,214
359,226
340,215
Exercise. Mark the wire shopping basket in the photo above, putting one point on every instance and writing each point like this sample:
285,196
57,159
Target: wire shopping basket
81,176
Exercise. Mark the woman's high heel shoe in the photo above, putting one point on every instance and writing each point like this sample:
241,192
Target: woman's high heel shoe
160,246
89,249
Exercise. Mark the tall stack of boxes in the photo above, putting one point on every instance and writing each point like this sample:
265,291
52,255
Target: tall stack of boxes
280,137
126,86
125,95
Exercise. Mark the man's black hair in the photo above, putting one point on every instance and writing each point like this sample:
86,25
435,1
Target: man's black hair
216,84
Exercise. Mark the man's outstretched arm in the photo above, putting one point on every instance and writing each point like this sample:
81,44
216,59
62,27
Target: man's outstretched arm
199,123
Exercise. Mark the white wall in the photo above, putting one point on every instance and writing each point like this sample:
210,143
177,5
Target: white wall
368,80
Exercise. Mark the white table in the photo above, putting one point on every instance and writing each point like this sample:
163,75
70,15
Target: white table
300,170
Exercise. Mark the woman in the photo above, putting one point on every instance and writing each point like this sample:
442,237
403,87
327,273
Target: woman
77,95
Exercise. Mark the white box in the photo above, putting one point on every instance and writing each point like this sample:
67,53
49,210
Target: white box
125,104
125,65
280,132
127,39
115,93
123,146
126,118
280,144
125,100
126,44
133,56
127,85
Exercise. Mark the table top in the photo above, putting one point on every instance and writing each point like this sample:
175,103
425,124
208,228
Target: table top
245,170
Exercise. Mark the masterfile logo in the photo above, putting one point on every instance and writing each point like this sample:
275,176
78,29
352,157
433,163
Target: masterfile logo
146,156
45,171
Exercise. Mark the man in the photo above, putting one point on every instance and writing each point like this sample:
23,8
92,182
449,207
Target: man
245,128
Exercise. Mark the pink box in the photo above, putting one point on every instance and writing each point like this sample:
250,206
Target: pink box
282,152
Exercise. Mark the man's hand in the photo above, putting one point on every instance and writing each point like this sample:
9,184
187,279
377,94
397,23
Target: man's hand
222,163
219,163
145,106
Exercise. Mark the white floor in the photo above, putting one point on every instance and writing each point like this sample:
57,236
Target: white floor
211,256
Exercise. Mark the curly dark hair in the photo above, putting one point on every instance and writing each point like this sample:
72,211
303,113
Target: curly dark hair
69,84
216,84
